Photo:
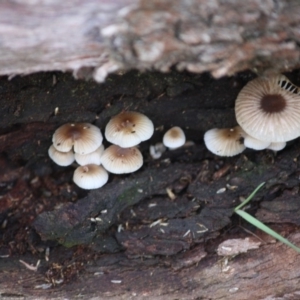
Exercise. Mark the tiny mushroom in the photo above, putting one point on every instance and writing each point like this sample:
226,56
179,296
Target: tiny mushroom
157,150
90,176
128,129
277,146
85,138
61,158
90,158
174,138
119,160
253,143
269,109
225,142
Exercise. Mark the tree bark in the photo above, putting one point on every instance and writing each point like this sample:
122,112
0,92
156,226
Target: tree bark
270,272
94,38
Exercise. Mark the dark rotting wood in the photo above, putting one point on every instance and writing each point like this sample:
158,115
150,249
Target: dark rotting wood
109,242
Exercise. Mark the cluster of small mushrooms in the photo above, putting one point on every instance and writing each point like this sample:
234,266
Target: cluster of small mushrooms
268,113
82,142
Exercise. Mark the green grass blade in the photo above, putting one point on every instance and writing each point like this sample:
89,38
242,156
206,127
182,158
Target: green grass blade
249,198
265,228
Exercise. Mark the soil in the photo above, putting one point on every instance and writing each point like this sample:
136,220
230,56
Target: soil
164,221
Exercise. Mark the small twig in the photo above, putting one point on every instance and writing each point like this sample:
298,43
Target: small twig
30,267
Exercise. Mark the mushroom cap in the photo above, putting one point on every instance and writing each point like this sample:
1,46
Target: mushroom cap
90,158
128,129
61,158
85,138
90,176
269,109
119,160
174,138
253,143
225,142
277,146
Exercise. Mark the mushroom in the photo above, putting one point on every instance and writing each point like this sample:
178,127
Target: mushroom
128,129
90,158
269,109
174,138
90,176
157,150
85,138
225,142
61,158
119,160
277,146
253,143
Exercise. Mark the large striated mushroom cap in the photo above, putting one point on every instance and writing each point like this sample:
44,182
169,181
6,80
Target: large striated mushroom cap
268,109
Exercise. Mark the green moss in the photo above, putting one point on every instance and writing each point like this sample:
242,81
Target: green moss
129,197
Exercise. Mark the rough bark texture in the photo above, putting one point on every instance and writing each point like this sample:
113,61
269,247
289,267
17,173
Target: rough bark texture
132,238
93,38
238,278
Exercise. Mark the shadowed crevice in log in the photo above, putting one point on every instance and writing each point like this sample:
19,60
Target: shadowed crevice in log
28,102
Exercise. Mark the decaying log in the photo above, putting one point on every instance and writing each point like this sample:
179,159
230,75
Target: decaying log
269,272
94,38
166,232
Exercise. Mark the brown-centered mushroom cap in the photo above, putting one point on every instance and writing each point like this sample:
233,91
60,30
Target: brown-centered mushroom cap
174,138
269,109
90,176
225,142
85,138
128,129
119,160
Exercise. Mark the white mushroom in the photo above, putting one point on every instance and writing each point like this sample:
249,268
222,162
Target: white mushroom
157,150
91,158
119,160
225,142
85,138
128,129
253,143
90,177
269,109
277,146
174,138
61,158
